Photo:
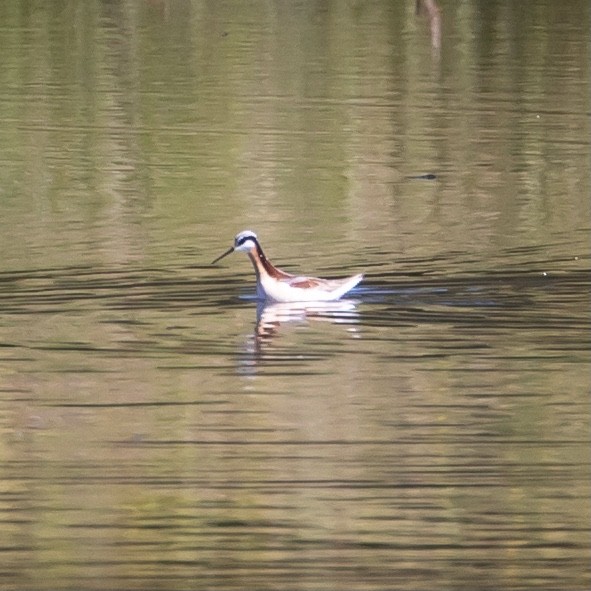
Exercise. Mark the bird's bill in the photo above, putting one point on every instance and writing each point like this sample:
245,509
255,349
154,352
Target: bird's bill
229,251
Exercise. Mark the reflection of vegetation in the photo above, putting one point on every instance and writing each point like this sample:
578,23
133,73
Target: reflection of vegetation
130,448
188,111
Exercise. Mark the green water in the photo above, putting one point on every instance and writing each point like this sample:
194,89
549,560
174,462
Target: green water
160,429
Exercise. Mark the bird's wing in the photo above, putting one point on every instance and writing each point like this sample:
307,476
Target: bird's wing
306,282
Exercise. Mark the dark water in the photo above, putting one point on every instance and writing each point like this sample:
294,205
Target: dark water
427,430
160,429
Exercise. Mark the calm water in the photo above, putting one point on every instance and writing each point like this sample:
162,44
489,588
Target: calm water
161,430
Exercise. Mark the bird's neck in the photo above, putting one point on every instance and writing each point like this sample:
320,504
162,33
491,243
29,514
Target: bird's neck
262,265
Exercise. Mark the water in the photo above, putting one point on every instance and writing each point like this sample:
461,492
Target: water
161,429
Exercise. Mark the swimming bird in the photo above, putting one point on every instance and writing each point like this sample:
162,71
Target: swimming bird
278,286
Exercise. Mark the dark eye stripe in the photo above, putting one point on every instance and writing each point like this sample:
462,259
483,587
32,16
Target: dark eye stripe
245,238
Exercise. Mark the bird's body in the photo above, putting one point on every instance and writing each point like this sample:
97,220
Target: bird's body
276,285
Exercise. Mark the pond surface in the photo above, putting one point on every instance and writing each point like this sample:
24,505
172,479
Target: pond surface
160,428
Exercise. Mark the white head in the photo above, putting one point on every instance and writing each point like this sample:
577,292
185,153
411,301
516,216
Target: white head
243,242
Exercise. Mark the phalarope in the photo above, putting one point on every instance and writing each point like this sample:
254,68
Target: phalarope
277,286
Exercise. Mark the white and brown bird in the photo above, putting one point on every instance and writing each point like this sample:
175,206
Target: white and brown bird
278,286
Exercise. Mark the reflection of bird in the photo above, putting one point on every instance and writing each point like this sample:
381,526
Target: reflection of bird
277,286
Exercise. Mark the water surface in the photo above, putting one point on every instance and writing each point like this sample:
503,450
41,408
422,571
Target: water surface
161,428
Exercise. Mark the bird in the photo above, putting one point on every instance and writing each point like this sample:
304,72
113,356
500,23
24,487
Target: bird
275,285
